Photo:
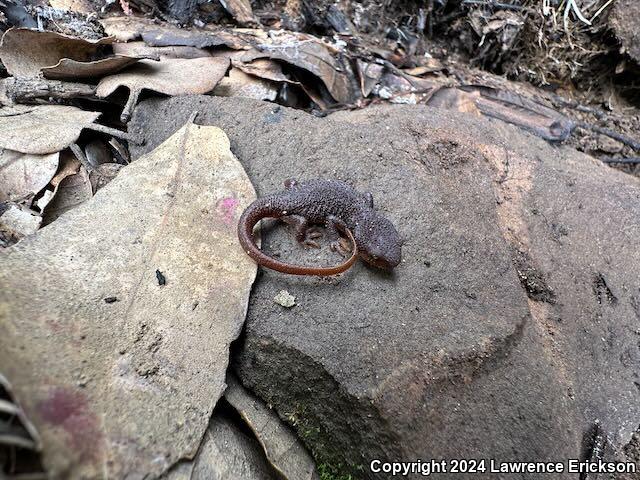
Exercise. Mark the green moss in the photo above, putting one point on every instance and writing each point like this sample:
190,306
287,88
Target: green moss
332,472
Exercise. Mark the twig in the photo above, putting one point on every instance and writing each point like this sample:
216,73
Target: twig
114,132
610,133
77,151
629,160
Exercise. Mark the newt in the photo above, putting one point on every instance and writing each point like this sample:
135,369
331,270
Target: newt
340,208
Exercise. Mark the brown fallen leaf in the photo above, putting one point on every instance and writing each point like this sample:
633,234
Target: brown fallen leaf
22,175
226,452
454,99
241,11
263,68
370,74
314,56
42,129
68,69
69,165
282,447
141,374
141,49
25,52
169,76
73,190
239,84
126,28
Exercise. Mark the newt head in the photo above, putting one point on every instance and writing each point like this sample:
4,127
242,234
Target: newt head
378,241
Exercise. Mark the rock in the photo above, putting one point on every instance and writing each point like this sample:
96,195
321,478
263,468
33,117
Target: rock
118,374
226,452
283,449
623,20
509,328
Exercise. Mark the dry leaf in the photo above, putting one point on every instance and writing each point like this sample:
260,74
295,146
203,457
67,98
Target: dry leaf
226,452
73,190
263,68
24,175
126,28
130,384
312,55
455,99
43,128
141,49
369,74
241,11
68,69
69,165
17,221
168,76
239,84
282,447
26,52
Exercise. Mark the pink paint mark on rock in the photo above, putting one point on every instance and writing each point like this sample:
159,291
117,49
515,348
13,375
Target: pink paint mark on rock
227,208
69,408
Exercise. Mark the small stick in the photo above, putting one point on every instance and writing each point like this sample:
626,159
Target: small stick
610,133
77,151
114,132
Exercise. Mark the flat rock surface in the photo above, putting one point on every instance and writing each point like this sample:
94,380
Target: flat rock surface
496,337
118,372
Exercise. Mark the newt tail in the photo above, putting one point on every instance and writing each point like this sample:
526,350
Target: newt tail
261,209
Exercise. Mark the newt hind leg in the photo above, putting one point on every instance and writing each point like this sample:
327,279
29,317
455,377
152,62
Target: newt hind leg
338,243
304,234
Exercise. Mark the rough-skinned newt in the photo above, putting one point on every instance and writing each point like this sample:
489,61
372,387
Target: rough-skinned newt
340,208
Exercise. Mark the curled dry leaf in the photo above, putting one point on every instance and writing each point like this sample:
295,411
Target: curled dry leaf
67,68
43,128
369,74
168,76
26,52
22,175
73,190
281,446
141,49
226,451
314,56
69,165
239,84
263,68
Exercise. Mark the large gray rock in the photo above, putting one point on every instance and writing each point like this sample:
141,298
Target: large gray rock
511,325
